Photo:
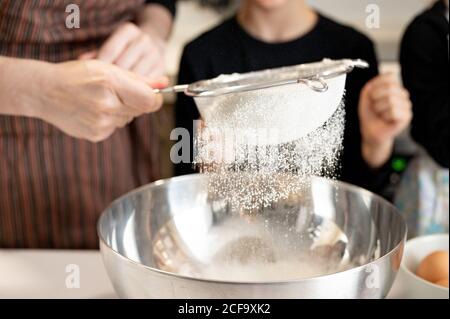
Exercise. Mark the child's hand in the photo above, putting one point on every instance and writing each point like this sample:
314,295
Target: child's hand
384,112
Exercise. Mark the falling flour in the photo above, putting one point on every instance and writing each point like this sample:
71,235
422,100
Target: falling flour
251,173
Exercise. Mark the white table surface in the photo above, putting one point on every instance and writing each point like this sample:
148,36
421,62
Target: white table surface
42,274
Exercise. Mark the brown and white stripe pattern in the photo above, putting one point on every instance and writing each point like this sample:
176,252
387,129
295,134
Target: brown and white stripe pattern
53,187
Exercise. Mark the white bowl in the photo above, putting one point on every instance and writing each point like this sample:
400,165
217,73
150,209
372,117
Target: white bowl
416,250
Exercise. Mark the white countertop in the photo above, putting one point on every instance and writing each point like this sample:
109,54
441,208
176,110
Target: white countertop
42,274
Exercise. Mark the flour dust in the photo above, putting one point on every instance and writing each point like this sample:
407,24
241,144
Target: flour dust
251,175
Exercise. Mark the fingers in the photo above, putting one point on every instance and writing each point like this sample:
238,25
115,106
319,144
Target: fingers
100,126
387,90
380,81
146,64
388,98
135,92
132,49
134,53
97,98
391,101
156,70
396,114
122,96
125,121
118,42
160,82
143,56
98,136
386,85
88,55
385,109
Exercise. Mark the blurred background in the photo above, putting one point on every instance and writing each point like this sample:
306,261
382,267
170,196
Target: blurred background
196,16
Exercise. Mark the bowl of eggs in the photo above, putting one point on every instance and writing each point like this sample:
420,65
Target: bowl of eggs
425,266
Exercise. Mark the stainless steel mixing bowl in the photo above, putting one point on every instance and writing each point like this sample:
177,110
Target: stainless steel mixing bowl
170,240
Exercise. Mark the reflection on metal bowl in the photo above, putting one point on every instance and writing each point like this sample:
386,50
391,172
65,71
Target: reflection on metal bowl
169,240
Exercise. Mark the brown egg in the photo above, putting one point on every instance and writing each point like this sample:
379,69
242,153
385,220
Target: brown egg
434,267
442,282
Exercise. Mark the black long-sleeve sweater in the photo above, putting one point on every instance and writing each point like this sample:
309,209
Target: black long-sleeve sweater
425,62
228,48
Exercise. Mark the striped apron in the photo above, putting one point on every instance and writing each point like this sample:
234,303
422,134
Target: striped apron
54,187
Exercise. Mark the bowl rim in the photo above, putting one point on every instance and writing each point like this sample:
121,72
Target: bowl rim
410,273
161,182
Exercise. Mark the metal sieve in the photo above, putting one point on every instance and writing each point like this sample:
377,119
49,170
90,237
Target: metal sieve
310,74
269,106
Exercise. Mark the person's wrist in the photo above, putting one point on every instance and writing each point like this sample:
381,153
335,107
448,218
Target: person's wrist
376,153
38,98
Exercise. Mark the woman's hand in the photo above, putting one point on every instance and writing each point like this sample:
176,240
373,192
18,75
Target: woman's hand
91,99
132,49
384,112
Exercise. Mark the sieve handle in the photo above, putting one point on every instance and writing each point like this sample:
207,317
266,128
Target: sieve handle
172,89
315,84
